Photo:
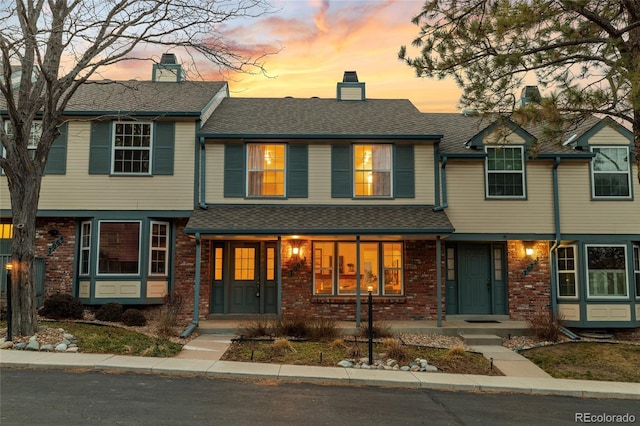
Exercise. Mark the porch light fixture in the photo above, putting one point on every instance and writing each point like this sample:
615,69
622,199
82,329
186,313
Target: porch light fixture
528,248
295,247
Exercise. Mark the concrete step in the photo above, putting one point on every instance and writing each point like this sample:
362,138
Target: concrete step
482,340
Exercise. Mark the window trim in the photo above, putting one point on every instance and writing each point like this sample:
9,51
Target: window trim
149,149
85,250
626,272
140,247
594,172
575,269
522,173
248,170
165,249
636,269
355,171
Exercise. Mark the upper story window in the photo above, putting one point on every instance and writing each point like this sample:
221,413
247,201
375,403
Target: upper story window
611,172
132,148
266,170
372,170
505,172
607,271
34,137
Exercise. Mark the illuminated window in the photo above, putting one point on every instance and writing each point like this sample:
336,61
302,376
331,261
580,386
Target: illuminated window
218,264
372,168
132,148
335,268
159,249
271,263
245,258
265,170
6,231
392,255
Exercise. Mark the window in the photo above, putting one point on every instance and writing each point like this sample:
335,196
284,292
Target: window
159,248
372,168
245,263
606,271
451,264
335,268
265,170
132,148
636,268
217,266
505,172
34,137
119,248
85,247
497,264
611,173
566,270
271,263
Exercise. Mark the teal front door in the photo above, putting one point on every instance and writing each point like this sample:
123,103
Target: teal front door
244,282
475,285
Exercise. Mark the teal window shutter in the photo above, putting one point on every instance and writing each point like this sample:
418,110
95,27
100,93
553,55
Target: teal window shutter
100,148
341,171
298,171
234,170
163,148
57,160
404,172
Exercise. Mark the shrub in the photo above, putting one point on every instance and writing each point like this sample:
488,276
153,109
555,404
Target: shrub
134,317
169,313
456,352
282,345
546,326
257,328
395,350
379,329
323,329
62,306
295,326
110,312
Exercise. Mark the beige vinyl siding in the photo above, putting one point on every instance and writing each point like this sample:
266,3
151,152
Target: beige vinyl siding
78,190
608,136
320,179
351,93
608,312
470,212
580,214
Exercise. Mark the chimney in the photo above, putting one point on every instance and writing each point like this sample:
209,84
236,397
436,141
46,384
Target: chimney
529,94
350,89
168,70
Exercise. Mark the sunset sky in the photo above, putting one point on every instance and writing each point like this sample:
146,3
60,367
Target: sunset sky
318,40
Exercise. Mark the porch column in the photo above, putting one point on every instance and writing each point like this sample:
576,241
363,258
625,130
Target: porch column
279,276
358,281
439,278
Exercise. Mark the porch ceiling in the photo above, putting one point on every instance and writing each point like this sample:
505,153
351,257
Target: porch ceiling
318,220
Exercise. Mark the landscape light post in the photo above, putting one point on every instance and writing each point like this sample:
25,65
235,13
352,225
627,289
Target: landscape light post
8,267
370,289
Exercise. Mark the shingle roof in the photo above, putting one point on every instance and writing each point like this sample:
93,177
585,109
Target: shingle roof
270,219
140,97
314,117
459,128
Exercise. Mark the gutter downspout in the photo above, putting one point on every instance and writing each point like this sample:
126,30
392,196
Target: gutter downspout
556,244
443,171
203,179
196,293
358,281
439,278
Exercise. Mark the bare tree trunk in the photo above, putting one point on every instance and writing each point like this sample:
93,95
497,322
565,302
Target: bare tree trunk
24,206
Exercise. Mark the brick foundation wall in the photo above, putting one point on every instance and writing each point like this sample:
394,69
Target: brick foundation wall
530,294
418,301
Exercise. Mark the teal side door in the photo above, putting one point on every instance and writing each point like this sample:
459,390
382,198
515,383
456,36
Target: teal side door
475,284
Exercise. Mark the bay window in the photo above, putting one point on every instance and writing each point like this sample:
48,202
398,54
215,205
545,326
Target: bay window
119,248
566,272
607,271
159,248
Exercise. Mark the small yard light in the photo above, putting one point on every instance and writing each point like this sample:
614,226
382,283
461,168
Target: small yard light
8,267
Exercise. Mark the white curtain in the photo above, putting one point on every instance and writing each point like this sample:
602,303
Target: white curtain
381,156
256,169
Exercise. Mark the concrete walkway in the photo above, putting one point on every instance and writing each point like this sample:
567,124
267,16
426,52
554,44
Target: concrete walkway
201,357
